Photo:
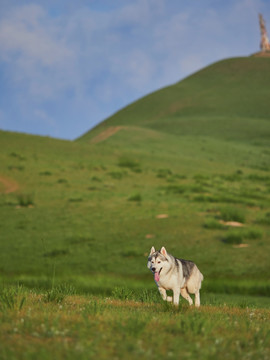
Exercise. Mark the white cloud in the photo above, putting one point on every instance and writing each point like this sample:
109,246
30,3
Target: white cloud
29,35
35,51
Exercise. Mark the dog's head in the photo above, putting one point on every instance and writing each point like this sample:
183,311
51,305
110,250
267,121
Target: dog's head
157,262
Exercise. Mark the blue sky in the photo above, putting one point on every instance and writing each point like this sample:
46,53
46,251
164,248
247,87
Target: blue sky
67,65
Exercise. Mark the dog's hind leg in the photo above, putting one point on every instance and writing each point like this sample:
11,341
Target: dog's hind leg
186,296
176,295
197,298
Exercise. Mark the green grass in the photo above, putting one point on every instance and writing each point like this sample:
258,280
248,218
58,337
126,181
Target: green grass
232,214
264,219
11,298
83,327
25,200
129,163
237,236
233,237
211,223
135,197
77,223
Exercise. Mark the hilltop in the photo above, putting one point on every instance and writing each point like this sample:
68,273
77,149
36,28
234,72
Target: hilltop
228,99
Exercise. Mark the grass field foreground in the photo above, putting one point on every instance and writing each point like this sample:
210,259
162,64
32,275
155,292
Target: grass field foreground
86,327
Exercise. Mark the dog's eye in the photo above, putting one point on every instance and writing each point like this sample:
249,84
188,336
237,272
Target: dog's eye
159,262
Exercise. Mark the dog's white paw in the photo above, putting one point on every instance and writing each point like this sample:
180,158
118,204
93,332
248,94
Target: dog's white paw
169,298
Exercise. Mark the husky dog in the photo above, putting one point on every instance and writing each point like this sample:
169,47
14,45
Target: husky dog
180,276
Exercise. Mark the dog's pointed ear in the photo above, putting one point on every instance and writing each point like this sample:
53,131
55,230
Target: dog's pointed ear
152,250
163,251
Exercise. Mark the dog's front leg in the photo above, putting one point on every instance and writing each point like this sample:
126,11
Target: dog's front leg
164,294
176,295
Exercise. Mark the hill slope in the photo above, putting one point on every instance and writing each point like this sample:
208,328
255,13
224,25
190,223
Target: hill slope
221,100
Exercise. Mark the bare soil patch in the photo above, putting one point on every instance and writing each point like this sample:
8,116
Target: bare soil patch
9,185
162,216
241,246
106,134
231,223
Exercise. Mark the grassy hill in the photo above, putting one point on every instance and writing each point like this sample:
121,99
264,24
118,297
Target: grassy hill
194,151
187,167
228,100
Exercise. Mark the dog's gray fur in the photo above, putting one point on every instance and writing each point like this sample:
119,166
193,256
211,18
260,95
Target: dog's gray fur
179,275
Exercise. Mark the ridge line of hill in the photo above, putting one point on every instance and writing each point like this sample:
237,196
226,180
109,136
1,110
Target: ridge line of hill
235,88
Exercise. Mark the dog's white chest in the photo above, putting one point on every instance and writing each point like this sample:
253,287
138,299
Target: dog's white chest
168,282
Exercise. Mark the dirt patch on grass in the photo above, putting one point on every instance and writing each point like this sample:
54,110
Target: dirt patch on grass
9,185
231,223
106,134
162,216
241,246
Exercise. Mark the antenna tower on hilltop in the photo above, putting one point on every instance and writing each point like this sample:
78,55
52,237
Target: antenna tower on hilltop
265,45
